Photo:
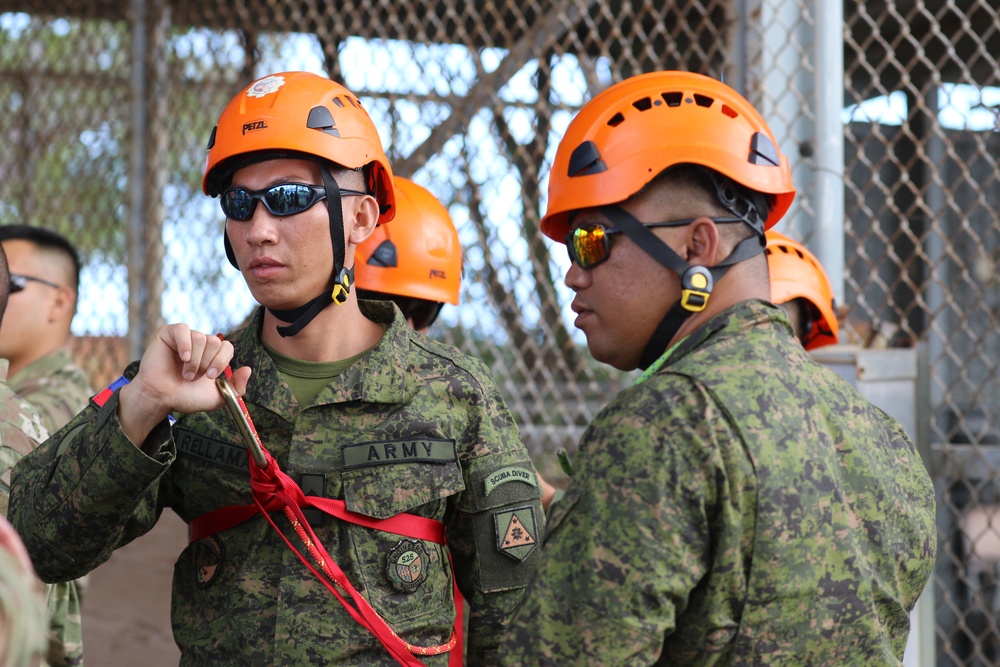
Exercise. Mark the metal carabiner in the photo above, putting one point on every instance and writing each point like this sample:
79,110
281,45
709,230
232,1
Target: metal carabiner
243,425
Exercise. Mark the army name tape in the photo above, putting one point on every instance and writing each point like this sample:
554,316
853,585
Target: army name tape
366,454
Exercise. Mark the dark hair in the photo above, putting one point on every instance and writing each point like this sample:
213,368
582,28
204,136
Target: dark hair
43,238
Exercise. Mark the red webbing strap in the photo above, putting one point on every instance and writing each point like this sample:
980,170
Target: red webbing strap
272,489
407,525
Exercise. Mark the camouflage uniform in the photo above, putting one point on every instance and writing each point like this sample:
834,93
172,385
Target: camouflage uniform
741,505
21,430
58,389
56,386
413,426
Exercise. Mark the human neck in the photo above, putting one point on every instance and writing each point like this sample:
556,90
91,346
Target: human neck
738,285
20,362
338,332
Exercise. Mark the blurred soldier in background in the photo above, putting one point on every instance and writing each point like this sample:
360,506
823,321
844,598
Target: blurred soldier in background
35,335
799,285
23,618
416,262
34,338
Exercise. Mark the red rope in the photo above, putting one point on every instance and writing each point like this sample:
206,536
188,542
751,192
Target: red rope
273,490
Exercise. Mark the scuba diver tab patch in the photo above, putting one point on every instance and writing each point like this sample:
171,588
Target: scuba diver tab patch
516,532
510,474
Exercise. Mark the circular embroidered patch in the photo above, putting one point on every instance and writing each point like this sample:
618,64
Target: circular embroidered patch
208,556
406,565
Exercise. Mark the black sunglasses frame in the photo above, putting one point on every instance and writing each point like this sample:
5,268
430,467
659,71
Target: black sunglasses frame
234,211
19,282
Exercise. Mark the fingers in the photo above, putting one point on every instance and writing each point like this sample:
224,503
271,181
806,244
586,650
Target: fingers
241,376
199,353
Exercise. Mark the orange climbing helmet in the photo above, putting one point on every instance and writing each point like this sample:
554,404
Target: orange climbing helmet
631,132
419,255
298,114
797,274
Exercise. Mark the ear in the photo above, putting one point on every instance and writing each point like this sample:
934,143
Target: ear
360,220
703,243
63,306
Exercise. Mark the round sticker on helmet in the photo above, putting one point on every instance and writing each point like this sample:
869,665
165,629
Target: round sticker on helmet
265,86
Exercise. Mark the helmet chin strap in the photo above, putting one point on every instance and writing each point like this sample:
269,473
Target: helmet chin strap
696,281
343,278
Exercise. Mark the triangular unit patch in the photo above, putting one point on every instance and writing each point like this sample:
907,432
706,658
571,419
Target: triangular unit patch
516,532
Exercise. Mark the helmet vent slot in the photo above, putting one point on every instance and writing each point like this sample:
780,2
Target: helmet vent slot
673,99
616,120
645,104
703,100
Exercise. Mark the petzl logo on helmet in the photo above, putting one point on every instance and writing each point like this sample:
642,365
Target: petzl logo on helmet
265,86
256,125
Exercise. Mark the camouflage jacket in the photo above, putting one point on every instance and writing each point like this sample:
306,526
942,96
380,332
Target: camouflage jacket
56,386
58,389
413,426
742,505
21,430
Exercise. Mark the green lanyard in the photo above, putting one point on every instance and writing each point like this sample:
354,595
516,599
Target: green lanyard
656,365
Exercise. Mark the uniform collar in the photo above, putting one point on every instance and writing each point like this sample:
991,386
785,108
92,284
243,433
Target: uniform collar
378,377
734,321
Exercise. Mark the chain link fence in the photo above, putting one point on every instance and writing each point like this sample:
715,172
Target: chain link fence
107,107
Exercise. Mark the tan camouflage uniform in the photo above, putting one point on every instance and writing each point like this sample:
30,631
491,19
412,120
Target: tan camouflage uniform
21,430
413,426
58,388
740,505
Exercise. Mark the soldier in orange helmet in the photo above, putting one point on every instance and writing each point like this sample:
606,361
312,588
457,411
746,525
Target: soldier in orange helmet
739,503
416,262
800,286
419,488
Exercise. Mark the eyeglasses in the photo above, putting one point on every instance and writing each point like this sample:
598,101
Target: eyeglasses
19,282
590,243
281,200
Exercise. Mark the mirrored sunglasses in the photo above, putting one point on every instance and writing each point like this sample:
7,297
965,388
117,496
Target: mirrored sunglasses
18,282
589,244
281,200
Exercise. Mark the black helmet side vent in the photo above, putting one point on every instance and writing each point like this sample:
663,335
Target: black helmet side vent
586,160
384,255
321,119
763,151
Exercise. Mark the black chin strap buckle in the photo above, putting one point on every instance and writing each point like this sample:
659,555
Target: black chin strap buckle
696,287
342,286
